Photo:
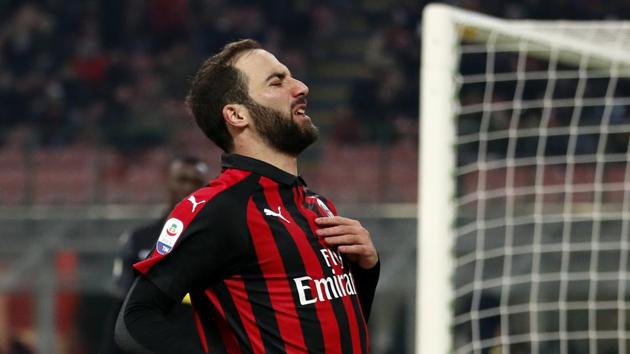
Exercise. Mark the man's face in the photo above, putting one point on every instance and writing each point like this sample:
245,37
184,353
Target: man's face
278,103
185,178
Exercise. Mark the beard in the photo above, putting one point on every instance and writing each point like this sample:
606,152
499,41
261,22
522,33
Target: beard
280,130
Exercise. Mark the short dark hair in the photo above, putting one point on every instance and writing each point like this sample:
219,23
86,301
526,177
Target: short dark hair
216,84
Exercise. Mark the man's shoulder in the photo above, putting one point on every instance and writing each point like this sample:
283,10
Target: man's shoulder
210,208
218,194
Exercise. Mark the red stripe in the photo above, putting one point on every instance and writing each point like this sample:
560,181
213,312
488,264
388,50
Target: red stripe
324,309
183,211
227,334
352,323
276,280
363,324
237,290
200,331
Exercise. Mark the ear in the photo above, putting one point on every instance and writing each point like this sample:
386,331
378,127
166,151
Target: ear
236,115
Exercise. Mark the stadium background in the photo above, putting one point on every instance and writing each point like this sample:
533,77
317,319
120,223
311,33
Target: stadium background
91,109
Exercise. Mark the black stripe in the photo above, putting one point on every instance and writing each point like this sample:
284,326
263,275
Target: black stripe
360,323
293,267
337,304
203,306
231,313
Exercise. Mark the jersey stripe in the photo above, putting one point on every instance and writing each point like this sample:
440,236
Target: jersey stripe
214,325
357,346
227,335
313,266
230,312
259,295
200,330
236,288
345,315
363,330
274,273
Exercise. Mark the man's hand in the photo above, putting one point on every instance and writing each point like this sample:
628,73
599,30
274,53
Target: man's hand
350,238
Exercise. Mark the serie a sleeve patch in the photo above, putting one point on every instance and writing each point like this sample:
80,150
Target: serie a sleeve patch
168,237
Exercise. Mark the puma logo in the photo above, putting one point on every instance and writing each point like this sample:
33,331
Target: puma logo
194,202
278,214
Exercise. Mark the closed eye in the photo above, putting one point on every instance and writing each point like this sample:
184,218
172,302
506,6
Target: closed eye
276,79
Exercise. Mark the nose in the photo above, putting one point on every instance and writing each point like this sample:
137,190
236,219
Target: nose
299,88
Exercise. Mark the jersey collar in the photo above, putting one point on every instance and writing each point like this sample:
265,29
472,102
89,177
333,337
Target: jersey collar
259,167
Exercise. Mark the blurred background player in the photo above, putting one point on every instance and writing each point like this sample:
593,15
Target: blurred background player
185,174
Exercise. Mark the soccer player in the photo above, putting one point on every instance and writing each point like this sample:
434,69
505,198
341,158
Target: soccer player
184,175
267,261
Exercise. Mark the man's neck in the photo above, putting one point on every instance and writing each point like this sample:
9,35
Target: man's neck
271,156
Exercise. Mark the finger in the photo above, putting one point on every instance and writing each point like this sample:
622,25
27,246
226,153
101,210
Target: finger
342,240
360,254
336,230
353,249
335,220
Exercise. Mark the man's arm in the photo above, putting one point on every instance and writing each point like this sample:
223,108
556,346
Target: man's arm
201,252
366,280
142,326
354,241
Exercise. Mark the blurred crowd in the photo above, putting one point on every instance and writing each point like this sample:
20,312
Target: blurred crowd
111,75
115,72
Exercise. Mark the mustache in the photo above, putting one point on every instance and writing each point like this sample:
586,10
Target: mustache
299,100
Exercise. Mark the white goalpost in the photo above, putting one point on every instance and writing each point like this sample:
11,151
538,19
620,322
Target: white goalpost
524,198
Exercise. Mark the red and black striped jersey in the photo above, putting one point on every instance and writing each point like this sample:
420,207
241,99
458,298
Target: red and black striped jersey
245,249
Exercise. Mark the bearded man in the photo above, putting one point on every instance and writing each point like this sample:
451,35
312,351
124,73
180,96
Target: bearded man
269,265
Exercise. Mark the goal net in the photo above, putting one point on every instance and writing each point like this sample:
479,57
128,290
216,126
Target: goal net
524,217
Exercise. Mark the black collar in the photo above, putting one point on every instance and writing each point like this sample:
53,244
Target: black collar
259,167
